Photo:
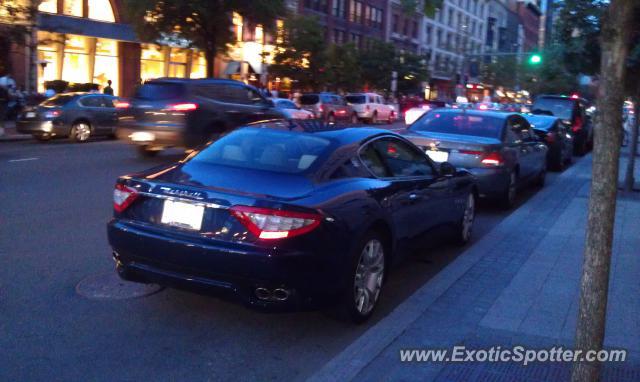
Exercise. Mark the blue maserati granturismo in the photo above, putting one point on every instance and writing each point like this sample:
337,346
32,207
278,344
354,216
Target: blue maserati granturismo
284,215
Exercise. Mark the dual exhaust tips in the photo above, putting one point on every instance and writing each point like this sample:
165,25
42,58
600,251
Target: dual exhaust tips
278,294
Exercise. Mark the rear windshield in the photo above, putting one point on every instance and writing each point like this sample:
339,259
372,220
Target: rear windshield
309,99
265,149
462,124
159,91
356,99
558,107
59,100
541,123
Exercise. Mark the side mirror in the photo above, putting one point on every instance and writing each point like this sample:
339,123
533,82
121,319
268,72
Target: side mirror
447,169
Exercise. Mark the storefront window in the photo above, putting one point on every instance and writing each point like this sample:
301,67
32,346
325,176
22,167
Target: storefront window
198,65
152,63
72,8
49,6
178,63
106,64
75,65
48,68
101,10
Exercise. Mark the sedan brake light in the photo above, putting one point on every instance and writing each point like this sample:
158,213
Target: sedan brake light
493,159
577,125
123,196
52,114
267,223
183,107
471,152
122,105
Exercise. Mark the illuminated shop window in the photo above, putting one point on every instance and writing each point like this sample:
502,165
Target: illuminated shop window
198,65
49,6
237,26
101,10
178,63
72,8
106,64
75,65
48,58
152,64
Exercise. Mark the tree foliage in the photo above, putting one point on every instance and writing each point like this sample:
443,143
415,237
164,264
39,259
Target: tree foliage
343,67
204,24
377,63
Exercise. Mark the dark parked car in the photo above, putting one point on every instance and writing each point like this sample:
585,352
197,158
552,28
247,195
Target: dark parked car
499,148
74,115
174,112
572,111
557,136
283,217
328,107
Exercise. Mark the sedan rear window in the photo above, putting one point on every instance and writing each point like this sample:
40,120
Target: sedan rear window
265,149
309,99
59,100
460,123
159,91
558,107
356,99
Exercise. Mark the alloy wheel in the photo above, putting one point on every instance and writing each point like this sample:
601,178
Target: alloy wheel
368,277
82,131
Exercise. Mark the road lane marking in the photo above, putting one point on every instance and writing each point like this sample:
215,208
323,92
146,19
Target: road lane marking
23,159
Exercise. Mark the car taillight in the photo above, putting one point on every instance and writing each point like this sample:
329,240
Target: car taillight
122,105
123,196
267,223
550,137
493,159
52,114
484,107
471,152
182,107
320,108
577,125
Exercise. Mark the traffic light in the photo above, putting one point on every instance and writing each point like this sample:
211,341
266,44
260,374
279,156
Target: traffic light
535,59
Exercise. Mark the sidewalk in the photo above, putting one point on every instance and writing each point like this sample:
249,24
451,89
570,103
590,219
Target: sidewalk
9,133
518,285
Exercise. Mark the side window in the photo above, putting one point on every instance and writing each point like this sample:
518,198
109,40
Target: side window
93,101
372,160
402,159
242,95
109,102
212,91
518,129
351,168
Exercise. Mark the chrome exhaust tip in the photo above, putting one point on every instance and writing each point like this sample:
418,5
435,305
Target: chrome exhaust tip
280,294
263,293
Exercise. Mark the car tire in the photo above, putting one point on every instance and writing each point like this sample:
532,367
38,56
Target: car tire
331,119
146,152
354,119
392,118
465,226
374,118
508,198
366,277
80,132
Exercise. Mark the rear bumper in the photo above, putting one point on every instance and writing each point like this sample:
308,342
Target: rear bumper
491,182
233,271
49,128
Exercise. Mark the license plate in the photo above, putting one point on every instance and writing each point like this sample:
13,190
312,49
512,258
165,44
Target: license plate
438,156
183,215
30,114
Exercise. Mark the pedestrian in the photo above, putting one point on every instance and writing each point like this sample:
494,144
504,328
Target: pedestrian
108,90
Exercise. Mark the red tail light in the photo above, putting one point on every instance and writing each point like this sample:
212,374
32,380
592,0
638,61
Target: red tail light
267,223
493,159
577,125
182,107
550,137
122,105
123,196
471,152
52,114
320,108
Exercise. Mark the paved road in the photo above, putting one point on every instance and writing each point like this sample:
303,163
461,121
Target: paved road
56,199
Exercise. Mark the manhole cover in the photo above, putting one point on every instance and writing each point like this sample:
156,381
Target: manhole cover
109,286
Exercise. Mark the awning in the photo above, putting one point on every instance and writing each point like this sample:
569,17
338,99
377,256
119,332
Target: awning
86,27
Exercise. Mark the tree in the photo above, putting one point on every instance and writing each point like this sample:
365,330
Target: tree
343,67
551,76
594,286
204,24
503,72
633,90
412,72
301,55
21,30
377,65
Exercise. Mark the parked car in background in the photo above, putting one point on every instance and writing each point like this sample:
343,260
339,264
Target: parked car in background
371,107
176,112
281,217
328,107
488,106
75,115
499,148
558,138
572,110
411,115
291,110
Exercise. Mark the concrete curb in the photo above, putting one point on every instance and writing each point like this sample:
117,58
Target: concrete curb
346,365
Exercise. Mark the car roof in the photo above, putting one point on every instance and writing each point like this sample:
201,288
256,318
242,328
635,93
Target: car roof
194,81
490,113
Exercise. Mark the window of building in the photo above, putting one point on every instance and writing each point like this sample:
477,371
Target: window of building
414,30
72,8
395,23
237,25
48,54
450,19
75,64
339,8
359,12
101,10
106,64
178,63
316,5
258,36
152,62
49,6
198,65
